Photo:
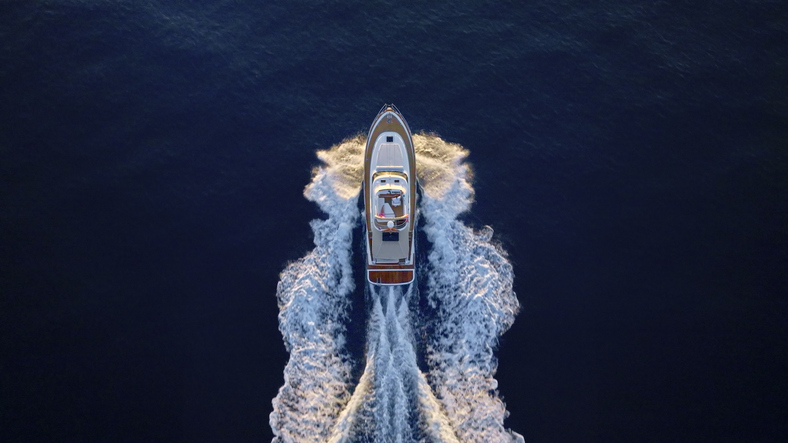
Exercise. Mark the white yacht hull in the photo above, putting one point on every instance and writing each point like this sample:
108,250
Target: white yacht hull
390,200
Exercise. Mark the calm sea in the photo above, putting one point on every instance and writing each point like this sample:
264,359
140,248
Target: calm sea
631,157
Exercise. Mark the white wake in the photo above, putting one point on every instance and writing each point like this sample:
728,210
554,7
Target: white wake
469,284
393,402
313,295
469,287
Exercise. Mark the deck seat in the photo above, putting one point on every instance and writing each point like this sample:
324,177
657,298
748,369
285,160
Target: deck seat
387,211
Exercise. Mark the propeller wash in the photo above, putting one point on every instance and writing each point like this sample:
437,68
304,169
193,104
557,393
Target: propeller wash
467,284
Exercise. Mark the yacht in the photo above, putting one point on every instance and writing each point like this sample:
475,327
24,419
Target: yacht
390,199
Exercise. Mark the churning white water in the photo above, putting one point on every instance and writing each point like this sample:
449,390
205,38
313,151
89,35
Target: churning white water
468,286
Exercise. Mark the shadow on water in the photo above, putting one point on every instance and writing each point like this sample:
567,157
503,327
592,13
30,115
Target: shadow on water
357,326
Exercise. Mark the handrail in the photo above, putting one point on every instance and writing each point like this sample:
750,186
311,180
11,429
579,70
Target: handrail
401,217
382,224
396,110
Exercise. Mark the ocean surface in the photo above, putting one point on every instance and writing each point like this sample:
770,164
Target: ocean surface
620,191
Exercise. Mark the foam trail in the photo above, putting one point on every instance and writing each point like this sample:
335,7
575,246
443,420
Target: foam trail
399,405
470,286
313,295
391,408
432,422
353,416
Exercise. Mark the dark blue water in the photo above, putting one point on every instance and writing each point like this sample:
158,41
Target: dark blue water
631,158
